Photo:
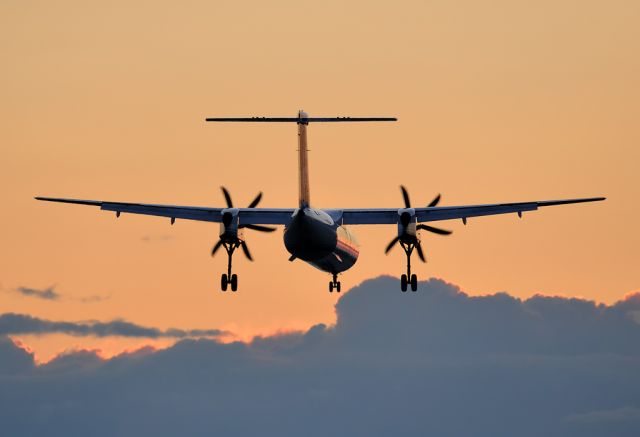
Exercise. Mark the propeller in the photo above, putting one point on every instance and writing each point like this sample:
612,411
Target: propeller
259,228
391,244
245,249
434,229
216,247
406,218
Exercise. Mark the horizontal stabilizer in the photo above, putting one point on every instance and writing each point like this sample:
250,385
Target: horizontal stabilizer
298,119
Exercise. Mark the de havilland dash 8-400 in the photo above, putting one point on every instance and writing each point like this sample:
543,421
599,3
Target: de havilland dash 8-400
319,236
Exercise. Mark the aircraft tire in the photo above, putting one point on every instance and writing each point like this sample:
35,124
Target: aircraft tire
414,282
403,282
223,282
331,287
234,282
338,286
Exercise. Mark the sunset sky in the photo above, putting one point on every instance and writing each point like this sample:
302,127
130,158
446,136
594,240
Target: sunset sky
497,101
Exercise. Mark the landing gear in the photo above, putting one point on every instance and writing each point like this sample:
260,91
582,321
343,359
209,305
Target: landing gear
408,279
229,278
334,284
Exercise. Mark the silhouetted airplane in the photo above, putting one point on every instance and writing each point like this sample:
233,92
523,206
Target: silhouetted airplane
318,236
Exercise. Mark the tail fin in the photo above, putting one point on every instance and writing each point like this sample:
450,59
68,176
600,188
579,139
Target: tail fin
303,162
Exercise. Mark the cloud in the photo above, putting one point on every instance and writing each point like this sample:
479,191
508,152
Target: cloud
46,293
50,293
435,362
14,359
156,238
94,298
21,324
623,414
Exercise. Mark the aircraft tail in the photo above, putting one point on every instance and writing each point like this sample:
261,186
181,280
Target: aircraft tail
303,162
302,120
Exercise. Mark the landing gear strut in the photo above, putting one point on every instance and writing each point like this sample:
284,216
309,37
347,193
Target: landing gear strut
408,279
228,278
334,284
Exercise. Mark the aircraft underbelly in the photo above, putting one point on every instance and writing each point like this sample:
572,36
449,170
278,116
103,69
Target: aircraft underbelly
326,246
336,262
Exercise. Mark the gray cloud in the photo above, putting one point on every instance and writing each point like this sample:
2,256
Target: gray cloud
48,293
436,362
21,324
624,414
94,298
13,359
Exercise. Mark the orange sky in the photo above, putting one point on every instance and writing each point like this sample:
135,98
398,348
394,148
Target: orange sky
497,101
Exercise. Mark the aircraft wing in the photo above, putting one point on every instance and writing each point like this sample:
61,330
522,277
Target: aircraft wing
370,216
253,216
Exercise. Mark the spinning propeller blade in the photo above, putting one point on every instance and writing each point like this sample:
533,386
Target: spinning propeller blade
255,201
420,252
405,195
391,244
216,247
434,229
407,204
245,249
434,202
227,197
259,228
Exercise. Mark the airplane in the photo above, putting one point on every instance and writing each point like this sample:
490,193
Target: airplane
319,236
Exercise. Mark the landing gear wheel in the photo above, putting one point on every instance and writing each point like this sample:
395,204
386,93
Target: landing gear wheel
234,282
224,282
334,284
403,282
414,282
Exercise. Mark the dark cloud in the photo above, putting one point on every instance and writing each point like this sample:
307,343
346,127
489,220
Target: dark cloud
436,362
13,359
50,293
21,324
46,293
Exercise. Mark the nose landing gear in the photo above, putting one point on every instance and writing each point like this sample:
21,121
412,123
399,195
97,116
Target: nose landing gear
334,284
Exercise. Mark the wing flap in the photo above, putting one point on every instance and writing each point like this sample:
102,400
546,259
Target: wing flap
369,216
458,212
254,216
176,212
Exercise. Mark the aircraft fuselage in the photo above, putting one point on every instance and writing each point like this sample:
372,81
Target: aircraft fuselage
315,237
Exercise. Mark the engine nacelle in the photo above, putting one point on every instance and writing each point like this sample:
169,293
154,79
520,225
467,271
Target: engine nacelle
229,226
407,223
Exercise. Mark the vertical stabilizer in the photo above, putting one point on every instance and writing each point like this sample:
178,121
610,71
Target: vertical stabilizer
303,162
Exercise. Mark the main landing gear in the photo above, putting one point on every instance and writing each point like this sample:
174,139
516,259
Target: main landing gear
228,278
334,284
408,279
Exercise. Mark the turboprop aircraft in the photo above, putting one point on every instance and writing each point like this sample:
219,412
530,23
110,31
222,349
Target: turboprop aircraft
319,236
